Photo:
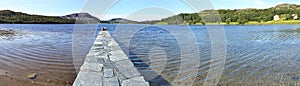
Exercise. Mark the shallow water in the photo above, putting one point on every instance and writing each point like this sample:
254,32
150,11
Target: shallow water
42,49
169,55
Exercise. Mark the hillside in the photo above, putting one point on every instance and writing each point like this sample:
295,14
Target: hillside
290,6
120,20
240,16
11,17
82,18
7,16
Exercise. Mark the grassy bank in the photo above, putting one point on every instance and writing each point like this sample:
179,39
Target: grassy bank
278,22
248,23
265,23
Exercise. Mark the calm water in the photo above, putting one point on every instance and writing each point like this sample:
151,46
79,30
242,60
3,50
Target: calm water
255,55
259,55
45,50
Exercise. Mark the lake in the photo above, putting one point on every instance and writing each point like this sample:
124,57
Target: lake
164,54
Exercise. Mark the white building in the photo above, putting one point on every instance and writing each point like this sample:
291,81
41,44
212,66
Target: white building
276,17
295,16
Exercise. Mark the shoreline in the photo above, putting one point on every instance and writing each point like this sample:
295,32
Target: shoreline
198,24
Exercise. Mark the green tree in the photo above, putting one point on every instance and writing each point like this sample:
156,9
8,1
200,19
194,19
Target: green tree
202,22
228,20
289,17
242,20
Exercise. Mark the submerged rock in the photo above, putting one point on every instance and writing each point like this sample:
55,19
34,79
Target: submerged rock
7,32
3,72
11,34
32,76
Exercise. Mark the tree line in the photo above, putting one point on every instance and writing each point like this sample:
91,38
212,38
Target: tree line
7,16
241,16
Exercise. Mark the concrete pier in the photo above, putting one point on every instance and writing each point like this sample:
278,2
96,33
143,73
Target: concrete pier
107,65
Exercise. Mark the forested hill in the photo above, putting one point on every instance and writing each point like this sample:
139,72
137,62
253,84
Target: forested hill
241,16
11,17
82,18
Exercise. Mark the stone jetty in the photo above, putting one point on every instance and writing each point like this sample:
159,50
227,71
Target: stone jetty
107,65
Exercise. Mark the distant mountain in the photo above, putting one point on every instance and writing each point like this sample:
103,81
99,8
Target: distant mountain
289,6
82,18
11,17
121,20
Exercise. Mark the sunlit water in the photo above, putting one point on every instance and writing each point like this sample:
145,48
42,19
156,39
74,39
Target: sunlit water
255,55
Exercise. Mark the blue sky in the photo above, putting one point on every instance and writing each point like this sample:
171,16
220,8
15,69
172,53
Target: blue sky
131,9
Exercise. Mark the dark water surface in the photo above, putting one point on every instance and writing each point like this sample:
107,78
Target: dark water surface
170,55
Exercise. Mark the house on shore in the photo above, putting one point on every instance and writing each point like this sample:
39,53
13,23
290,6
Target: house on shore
276,17
295,16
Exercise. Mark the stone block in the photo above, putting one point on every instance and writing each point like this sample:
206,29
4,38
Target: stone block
139,78
97,48
117,55
111,81
110,65
124,63
100,60
90,59
98,43
127,73
93,67
114,48
85,78
101,56
108,73
95,59
113,43
137,81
